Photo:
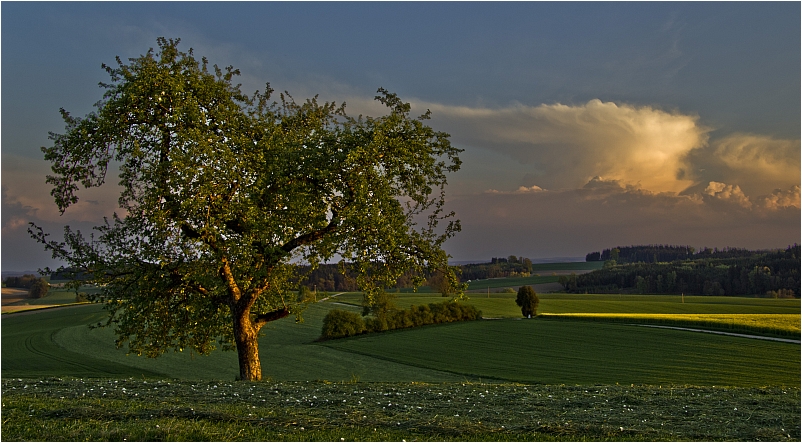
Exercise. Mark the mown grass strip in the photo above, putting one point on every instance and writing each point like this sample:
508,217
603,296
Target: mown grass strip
113,409
775,325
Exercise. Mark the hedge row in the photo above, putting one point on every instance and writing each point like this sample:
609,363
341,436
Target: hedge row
339,323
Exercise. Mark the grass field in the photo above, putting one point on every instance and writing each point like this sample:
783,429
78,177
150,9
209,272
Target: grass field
554,352
510,282
59,343
505,379
169,410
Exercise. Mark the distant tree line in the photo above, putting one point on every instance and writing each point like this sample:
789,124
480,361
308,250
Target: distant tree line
337,277
329,277
22,281
498,267
69,274
663,253
37,287
709,272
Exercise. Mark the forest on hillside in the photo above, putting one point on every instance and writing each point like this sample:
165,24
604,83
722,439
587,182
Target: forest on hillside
774,273
330,277
663,253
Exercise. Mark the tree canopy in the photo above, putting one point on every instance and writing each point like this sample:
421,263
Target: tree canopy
528,301
222,193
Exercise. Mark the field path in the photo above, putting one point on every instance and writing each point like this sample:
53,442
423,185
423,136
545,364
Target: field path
759,337
330,296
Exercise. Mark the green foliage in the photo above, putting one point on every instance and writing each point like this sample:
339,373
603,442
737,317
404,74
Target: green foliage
433,313
305,295
729,272
527,300
498,267
569,281
221,191
645,254
781,293
380,304
329,277
39,288
339,323
446,282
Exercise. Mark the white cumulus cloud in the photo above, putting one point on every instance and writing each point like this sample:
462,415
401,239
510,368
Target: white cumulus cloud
727,192
779,199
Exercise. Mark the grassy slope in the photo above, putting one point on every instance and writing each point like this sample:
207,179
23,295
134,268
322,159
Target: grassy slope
29,349
557,351
58,343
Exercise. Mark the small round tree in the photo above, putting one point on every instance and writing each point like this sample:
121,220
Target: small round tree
39,288
527,300
339,323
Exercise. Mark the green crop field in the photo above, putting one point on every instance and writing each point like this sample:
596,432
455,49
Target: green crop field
555,351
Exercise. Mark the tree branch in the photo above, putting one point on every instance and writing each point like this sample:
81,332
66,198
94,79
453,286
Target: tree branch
262,319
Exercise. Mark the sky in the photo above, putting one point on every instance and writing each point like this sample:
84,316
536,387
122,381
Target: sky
584,125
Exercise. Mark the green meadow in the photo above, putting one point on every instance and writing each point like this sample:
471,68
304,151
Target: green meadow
578,372
504,348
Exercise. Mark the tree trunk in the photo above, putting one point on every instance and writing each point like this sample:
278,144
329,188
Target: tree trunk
246,338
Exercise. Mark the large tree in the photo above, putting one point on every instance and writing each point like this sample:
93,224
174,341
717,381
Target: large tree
223,192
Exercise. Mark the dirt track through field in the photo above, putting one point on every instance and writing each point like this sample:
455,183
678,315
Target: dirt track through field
759,337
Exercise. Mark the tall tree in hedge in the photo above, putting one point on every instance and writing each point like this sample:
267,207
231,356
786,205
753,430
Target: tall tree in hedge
221,191
527,300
